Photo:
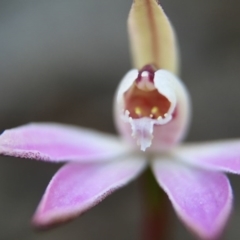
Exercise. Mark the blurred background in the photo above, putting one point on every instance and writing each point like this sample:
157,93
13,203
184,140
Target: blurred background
62,60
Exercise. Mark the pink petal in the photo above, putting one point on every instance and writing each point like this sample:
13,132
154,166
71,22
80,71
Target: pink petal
76,187
201,198
58,142
221,156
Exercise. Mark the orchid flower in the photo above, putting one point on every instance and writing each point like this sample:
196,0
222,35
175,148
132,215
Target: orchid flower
151,112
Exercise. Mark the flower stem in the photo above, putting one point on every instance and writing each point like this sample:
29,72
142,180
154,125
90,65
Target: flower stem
155,209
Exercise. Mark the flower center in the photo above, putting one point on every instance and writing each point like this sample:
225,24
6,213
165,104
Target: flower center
143,99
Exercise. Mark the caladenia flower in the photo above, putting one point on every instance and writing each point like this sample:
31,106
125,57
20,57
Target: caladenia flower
151,111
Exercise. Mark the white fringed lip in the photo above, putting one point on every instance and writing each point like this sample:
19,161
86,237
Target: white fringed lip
142,126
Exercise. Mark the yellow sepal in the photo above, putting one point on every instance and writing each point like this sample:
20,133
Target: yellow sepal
152,38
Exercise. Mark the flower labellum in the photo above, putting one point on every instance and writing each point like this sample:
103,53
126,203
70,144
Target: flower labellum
153,106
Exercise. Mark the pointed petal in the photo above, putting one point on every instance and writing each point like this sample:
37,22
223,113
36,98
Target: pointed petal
58,142
76,187
152,37
202,199
219,155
